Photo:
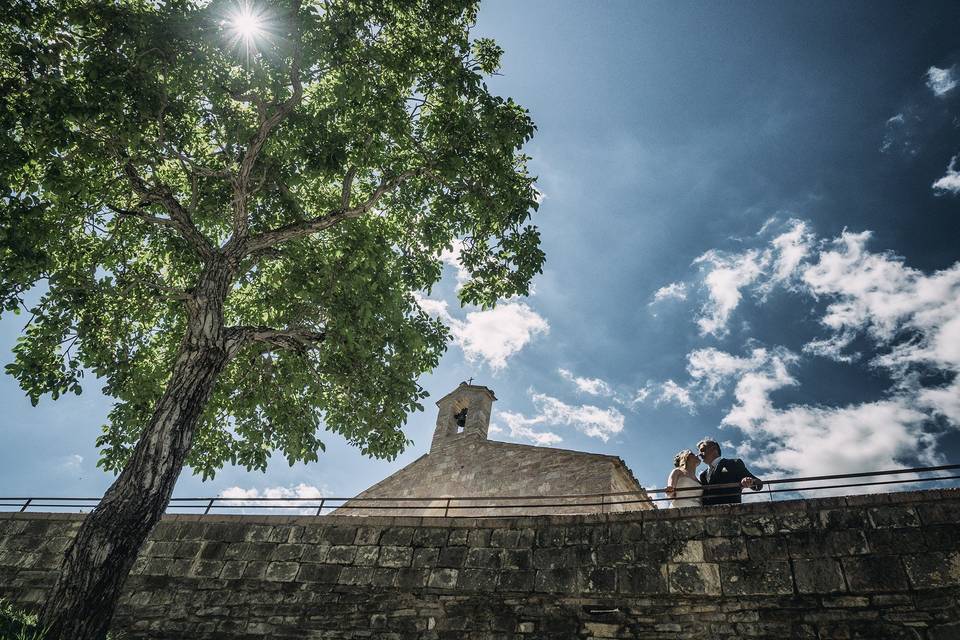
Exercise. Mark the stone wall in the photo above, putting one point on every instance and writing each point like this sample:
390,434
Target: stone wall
873,567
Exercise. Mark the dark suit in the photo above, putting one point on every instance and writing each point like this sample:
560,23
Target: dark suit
727,471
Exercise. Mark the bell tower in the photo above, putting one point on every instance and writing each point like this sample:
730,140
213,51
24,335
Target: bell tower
464,412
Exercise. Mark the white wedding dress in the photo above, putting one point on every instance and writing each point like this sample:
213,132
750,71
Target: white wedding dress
691,497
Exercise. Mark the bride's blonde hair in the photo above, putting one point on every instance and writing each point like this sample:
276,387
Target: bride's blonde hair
681,457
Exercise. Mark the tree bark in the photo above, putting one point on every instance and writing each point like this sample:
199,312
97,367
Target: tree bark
82,602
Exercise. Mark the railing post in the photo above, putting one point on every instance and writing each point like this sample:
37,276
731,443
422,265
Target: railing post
446,509
320,508
603,503
25,505
209,506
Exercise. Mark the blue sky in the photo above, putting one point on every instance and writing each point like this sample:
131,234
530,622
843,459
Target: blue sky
751,215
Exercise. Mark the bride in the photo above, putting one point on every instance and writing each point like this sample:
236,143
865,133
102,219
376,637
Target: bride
682,484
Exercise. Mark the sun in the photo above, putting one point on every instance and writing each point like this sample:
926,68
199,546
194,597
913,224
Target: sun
247,24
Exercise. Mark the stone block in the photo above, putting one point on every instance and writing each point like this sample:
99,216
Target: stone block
425,557
395,557
721,526
939,512
443,578
397,537
614,554
452,557
287,552
941,537
895,541
233,569
282,571
522,581
756,578
384,577
341,554
758,525
516,559
366,556
694,578
820,575
322,573
689,551
316,553
338,535
255,570
642,578
562,580
768,548
842,518
430,537
869,574
355,576
479,538
933,570
412,578
367,536
598,579
506,538
551,537
484,558
206,568
458,537
725,549
893,517
554,558
483,580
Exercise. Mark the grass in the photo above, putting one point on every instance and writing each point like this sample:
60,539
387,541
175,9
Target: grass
16,624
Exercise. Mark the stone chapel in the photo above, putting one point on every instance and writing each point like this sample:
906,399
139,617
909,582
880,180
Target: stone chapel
464,463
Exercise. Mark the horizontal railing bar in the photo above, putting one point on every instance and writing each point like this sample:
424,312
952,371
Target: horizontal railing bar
506,502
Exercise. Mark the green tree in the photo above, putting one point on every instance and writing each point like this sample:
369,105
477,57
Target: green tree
226,210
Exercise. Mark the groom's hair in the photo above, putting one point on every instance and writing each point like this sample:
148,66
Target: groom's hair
710,442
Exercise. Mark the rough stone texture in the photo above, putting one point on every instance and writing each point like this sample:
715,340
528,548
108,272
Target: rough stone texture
871,567
463,462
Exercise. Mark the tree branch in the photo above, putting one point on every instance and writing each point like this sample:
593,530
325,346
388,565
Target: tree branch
178,215
268,239
241,182
139,214
291,339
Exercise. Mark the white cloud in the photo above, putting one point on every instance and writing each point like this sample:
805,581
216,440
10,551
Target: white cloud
451,257
950,182
279,497
496,334
72,463
591,386
672,393
672,291
493,335
641,395
552,412
911,318
725,276
711,368
790,249
522,428
941,81
832,347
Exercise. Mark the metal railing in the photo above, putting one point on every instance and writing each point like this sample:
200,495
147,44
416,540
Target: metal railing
450,505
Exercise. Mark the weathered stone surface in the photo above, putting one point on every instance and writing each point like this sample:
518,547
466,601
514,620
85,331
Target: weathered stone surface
781,570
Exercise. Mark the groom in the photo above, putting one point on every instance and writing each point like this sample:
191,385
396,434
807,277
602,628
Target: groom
723,471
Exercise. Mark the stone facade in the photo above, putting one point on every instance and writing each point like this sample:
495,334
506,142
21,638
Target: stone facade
463,462
876,567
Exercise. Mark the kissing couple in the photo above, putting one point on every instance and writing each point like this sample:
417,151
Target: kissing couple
720,483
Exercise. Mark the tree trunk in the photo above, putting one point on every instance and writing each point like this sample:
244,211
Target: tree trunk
93,571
